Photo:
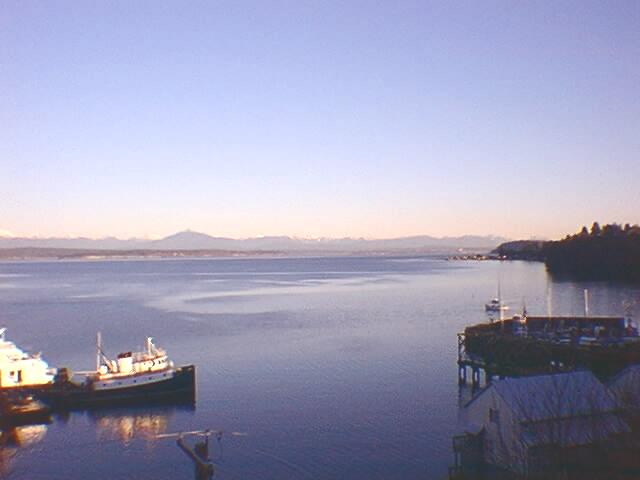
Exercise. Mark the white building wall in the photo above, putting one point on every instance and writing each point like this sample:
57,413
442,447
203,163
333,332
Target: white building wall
502,445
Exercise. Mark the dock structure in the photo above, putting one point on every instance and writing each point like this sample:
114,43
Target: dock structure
586,353
522,346
467,454
475,364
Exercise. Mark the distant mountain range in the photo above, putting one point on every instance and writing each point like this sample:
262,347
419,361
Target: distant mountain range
188,240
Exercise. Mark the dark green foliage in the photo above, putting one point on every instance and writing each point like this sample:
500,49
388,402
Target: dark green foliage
605,253
521,250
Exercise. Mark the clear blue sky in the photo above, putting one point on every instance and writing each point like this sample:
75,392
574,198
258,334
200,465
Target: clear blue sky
350,118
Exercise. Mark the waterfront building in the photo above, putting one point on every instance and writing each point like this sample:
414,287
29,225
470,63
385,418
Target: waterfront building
540,425
626,388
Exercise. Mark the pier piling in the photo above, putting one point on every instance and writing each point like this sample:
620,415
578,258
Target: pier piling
475,377
462,375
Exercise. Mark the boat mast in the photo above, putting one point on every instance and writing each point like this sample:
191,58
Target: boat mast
549,292
98,350
500,309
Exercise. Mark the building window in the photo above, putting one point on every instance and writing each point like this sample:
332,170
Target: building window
494,415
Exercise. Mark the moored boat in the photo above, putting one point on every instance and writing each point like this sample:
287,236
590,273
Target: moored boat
19,369
17,408
146,376
495,305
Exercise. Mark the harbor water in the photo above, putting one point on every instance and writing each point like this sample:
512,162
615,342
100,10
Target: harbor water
329,367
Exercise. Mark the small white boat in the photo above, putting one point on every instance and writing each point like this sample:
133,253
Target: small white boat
495,305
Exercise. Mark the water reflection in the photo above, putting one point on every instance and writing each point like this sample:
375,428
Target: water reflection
125,425
13,439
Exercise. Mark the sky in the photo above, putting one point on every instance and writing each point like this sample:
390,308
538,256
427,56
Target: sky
318,118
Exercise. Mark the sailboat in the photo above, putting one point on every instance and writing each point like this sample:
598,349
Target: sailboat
496,304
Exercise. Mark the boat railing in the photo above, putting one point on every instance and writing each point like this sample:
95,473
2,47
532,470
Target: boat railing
144,356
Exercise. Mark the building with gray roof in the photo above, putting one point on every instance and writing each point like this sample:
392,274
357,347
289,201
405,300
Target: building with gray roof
534,424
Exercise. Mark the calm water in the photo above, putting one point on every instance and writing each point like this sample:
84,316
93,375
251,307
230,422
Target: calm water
333,367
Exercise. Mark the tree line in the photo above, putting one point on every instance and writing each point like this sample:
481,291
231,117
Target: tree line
610,252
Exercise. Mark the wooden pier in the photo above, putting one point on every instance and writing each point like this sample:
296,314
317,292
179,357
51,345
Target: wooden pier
536,345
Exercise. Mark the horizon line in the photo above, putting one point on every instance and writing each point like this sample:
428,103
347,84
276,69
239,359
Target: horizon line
6,234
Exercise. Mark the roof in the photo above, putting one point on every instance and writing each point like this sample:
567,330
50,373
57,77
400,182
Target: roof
629,374
575,431
626,386
556,396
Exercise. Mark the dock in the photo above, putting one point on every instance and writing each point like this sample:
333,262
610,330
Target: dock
529,345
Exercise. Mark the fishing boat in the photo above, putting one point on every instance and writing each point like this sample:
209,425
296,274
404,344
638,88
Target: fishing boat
145,376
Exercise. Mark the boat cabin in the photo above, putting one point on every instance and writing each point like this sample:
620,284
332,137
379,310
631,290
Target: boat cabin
21,369
152,359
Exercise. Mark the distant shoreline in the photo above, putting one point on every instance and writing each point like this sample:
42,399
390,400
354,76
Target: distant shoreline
35,253
607,253
56,254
